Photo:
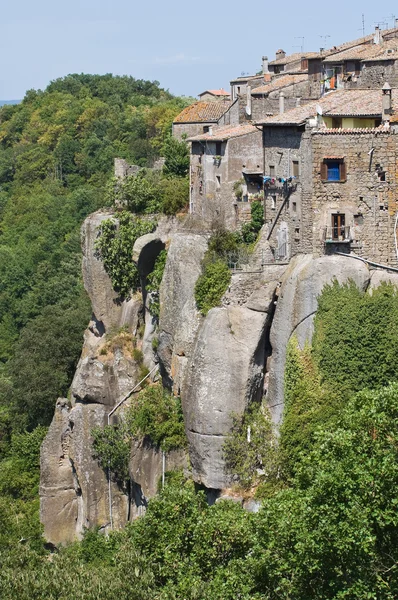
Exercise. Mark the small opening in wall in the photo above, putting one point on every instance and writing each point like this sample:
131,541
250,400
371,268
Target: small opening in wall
272,170
273,202
218,182
294,206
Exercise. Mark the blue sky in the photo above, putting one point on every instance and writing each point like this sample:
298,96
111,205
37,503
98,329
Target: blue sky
187,46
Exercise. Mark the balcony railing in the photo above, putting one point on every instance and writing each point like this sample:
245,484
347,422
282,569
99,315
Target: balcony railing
337,235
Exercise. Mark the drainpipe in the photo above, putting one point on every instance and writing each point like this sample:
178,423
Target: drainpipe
114,409
368,262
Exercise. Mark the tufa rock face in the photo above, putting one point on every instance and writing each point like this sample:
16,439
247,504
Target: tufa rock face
179,318
146,468
224,374
302,283
58,486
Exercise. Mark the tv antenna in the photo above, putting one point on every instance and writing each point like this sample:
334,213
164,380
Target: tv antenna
363,26
324,38
392,17
382,24
302,38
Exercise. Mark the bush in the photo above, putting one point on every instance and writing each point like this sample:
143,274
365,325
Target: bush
157,414
175,195
254,459
212,285
115,245
154,279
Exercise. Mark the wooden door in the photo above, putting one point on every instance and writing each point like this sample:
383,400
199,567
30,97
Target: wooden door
338,227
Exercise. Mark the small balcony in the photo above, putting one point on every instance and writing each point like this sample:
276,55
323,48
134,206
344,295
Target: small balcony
337,235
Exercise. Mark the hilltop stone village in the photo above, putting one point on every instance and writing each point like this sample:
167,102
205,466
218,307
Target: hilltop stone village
314,137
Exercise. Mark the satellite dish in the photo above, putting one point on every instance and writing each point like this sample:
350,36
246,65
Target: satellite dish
319,110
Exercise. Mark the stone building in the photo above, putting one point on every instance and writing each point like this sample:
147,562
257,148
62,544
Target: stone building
363,63
199,118
214,95
225,171
330,176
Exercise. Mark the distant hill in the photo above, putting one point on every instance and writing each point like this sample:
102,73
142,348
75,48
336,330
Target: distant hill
2,102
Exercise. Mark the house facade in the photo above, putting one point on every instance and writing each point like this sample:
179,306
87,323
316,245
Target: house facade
333,189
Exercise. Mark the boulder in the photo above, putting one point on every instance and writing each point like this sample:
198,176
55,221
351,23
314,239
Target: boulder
179,318
146,469
224,374
59,500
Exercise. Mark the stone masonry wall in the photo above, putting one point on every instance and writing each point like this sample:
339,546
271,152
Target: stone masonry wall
369,204
212,179
282,146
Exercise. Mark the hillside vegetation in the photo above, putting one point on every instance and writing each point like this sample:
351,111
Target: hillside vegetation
328,526
57,149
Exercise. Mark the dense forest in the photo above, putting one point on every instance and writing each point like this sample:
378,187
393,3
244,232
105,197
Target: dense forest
328,525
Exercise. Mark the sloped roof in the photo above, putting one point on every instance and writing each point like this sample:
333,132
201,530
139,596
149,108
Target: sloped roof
366,52
292,58
221,134
219,92
279,83
341,103
202,112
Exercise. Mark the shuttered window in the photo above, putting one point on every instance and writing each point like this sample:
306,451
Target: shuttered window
333,169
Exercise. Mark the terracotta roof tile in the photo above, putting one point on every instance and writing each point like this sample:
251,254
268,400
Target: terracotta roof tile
366,52
202,112
220,134
348,103
279,83
219,92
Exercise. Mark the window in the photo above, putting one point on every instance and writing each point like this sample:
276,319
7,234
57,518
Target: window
206,128
304,64
218,148
333,169
296,169
271,171
337,123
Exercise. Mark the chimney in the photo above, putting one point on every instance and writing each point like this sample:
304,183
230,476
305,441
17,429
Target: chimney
387,101
377,36
265,65
249,101
281,103
210,132
396,23
280,54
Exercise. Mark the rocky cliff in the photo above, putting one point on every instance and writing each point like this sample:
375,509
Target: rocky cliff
219,364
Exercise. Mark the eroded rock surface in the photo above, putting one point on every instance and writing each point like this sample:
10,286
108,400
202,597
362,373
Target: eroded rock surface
179,317
224,374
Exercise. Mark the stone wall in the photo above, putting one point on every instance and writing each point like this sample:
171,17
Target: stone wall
231,116
190,129
375,74
290,220
212,179
369,204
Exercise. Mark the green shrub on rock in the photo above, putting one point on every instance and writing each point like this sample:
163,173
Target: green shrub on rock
211,285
